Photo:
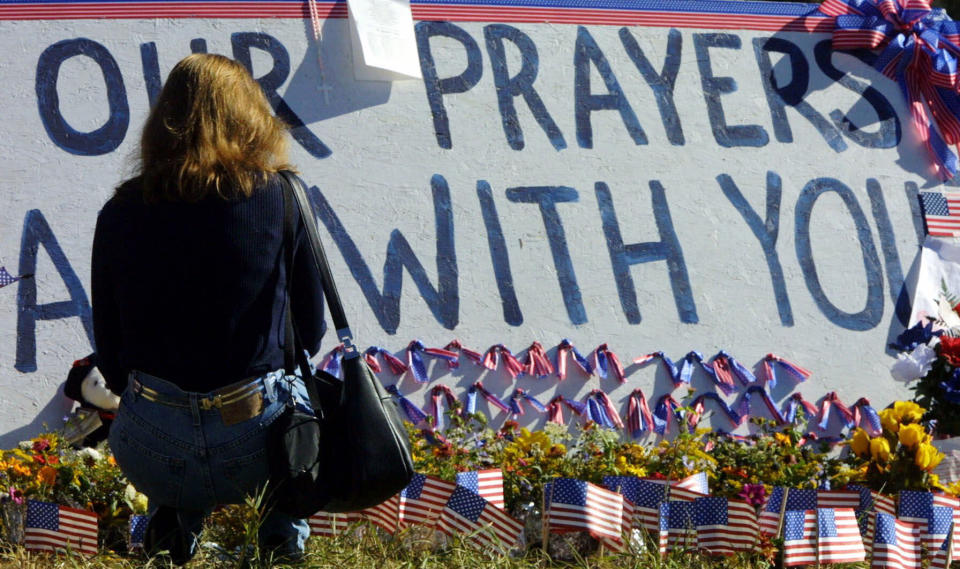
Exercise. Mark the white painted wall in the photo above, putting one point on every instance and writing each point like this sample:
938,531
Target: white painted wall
378,178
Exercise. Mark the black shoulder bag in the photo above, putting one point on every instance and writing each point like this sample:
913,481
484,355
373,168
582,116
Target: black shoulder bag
355,453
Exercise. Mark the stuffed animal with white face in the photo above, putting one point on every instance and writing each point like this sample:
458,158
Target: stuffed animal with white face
95,391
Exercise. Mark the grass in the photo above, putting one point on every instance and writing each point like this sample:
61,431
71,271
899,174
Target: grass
365,548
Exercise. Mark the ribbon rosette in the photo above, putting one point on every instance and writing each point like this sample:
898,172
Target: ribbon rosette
918,50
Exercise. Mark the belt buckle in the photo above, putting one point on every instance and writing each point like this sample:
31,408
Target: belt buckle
208,403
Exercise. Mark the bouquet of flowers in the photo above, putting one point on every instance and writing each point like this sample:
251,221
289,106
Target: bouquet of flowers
930,353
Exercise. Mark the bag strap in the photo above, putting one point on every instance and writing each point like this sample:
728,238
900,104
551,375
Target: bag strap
293,185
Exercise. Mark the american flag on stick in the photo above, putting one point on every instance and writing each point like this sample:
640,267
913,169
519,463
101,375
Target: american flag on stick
385,515
838,499
796,498
839,536
331,525
941,212
690,488
423,499
725,526
484,525
575,505
646,497
52,527
896,544
488,484
943,556
681,534
799,537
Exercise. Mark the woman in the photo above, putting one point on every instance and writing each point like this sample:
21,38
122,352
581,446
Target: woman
189,296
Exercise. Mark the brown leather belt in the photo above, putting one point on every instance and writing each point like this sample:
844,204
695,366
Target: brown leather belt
236,402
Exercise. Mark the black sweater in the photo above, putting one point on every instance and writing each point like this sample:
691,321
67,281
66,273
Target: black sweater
195,293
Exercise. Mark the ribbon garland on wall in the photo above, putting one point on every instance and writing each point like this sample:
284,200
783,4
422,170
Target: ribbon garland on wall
723,369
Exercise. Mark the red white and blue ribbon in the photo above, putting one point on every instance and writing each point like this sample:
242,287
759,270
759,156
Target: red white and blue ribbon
772,362
331,362
566,347
726,367
668,365
794,402
698,407
472,355
415,353
555,409
918,50
439,393
689,364
538,364
521,395
600,410
396,364
862,410
639,417
607,363
410,409
744,408
493,356
832,401
667,409
478,387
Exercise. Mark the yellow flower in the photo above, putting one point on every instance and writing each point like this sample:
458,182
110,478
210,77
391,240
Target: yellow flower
860,443
908,412
912,435
880,449
890,420
928,457
782,439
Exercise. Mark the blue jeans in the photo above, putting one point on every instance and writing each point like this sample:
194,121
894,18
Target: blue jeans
180,453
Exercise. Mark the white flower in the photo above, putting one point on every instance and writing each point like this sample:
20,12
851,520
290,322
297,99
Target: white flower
914,365
25,445
89,452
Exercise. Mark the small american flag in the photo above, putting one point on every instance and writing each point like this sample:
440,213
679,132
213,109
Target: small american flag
725,526
797,499
696,484
52,527
485,526
681,534
423,499
646,496
331,525
385,515
6,278
896,544
839,536
915,506
576,505
138,528
799,537
941,212
943,556
838,499
938,527
488,484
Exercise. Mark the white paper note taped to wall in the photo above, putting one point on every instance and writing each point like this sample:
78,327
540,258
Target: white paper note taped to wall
384,43
939,262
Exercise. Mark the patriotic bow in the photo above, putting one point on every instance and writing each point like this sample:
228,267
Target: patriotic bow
830,401
567,347
414,413
725,366
415,353
639,417
666,407
688,366
492,359
600,410
668,365
772,362
490,397
521,395
538,364
863,410
744,408
396,364
438,394
698,408
607,362
918,50
555,409
457,347
791,405
331,362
